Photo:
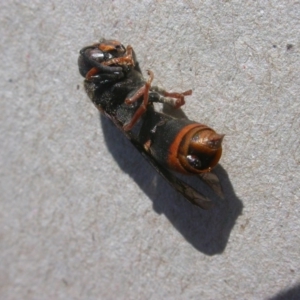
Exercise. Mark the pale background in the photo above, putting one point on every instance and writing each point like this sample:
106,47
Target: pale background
83,216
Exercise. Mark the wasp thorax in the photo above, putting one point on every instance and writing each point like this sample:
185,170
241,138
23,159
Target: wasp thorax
200,149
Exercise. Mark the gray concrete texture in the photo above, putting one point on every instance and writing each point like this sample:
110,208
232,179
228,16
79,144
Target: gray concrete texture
84,216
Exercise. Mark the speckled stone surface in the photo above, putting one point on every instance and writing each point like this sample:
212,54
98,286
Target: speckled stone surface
83,216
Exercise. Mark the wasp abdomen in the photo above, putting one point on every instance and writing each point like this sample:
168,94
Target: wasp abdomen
186,146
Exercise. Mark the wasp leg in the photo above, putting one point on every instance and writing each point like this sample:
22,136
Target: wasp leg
172,98
93,75
143,107
126,60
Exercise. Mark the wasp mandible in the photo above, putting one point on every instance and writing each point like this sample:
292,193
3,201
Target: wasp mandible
115,84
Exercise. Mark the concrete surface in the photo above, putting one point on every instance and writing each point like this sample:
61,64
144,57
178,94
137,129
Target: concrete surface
83,216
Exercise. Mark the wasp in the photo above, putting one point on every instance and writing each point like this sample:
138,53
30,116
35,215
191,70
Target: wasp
114,82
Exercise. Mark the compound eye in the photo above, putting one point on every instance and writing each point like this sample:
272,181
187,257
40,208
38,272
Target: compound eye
96,55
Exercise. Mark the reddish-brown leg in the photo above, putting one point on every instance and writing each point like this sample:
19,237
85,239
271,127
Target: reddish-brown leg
125,60
172,98
178,96
92,72
143,107
147,145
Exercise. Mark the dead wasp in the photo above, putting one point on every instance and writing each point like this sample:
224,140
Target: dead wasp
115,84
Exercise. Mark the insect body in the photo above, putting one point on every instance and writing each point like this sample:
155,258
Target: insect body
115,84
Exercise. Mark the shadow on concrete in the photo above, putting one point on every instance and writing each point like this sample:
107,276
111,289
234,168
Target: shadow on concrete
289,294
207,231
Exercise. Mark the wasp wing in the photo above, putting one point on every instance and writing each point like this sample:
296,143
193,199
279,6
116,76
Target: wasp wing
180,186
212,180
186,190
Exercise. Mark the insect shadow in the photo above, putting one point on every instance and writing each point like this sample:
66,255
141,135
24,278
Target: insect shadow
207,230
290,294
